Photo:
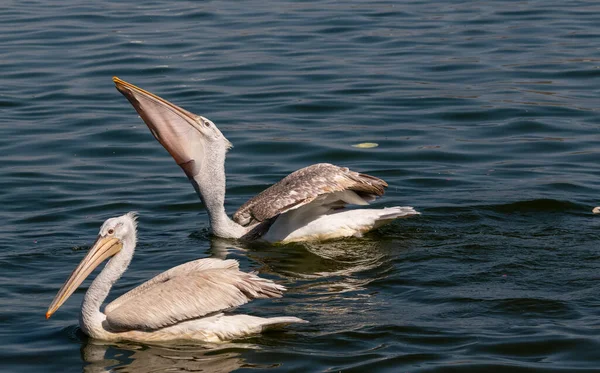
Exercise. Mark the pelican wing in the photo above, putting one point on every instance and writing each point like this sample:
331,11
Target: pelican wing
186,292
304,186
180,270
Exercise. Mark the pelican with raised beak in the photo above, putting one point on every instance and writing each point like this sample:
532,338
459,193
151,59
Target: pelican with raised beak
309,204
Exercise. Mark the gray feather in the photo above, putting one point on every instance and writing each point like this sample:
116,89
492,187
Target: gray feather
302,187
186,292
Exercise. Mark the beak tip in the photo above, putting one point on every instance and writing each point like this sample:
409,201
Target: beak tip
48,314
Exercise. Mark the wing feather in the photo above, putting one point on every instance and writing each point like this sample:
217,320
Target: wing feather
180,270
187,292
304,186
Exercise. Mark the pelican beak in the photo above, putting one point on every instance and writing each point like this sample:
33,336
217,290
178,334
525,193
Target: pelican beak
177,129
103,248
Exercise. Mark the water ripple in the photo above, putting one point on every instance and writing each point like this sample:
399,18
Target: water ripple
486,120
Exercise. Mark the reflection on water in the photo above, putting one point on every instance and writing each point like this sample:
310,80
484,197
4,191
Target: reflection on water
486,119
331,278
221,247
342,265
122,357
323,278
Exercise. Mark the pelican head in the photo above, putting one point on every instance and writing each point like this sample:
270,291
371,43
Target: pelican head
114,234
189,138
197,146
122,227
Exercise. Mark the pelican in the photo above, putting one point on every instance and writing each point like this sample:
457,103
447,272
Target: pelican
307,205
185,302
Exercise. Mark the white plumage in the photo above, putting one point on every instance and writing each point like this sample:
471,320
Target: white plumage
185,302
306,205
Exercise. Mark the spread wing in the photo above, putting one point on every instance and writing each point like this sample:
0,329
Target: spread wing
304,186
185,292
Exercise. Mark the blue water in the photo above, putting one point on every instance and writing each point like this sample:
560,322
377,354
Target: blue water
486,118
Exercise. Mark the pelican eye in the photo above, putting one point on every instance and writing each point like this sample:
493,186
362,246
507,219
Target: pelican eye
111,231
207,124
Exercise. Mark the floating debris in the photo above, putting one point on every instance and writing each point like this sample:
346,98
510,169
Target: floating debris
366,145
596,210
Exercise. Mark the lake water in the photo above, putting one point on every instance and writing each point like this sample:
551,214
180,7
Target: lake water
486,118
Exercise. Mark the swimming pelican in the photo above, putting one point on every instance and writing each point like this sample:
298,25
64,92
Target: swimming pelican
308,204
185,302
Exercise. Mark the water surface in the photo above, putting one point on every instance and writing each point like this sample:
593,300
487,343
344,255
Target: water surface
486,120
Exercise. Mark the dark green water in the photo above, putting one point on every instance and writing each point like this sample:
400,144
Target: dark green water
486,118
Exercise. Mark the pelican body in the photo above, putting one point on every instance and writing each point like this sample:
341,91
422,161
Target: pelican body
185,302
309,204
